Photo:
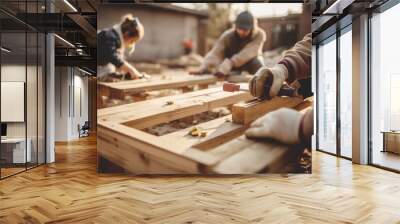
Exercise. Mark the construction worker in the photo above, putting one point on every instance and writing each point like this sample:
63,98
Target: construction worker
112,45
285,125
239,48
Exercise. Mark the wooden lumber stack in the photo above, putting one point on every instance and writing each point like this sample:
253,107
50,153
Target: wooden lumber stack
224,149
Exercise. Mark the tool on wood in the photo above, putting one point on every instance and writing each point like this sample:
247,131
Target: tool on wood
285,90
169,102
197,132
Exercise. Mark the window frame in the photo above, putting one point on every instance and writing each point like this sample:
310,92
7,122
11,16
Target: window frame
378,10
333,37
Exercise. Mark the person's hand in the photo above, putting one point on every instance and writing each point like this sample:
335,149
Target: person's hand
130,71
278,73
282,125
225,67
126,68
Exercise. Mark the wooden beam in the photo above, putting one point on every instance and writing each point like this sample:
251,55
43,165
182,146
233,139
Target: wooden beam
218,131
151,113
223,150
157,82
137,151
245,113
305,105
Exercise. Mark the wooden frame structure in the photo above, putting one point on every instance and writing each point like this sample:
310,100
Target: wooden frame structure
224,150
118,90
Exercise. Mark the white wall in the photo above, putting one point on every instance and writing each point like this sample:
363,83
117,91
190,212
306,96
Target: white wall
16,73
164,30
34,125
70,83
62,81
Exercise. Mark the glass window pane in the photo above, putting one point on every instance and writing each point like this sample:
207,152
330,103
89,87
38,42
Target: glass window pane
31,97
41,99
327,96
385,84
14,153
346,94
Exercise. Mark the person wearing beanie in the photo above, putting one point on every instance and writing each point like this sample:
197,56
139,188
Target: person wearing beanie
239,48
112,44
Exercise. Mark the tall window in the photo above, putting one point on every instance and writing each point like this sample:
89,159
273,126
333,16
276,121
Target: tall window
385,88
22,78
327,95
346,92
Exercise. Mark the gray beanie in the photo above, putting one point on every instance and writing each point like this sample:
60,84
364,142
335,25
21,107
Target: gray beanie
245,20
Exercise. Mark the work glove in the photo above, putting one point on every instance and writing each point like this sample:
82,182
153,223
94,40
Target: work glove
225,67
282,125
279,74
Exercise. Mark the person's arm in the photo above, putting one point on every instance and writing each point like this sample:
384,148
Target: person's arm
250,51
295,64
298,59
216,54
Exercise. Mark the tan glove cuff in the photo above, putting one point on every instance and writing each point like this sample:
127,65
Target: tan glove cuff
280,70
279,73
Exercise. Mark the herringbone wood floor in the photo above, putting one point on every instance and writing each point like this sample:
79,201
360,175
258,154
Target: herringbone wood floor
70,191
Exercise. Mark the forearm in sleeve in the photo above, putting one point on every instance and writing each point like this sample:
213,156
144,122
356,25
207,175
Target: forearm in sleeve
298,59
116,58
216,54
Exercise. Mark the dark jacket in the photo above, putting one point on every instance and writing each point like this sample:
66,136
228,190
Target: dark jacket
109,44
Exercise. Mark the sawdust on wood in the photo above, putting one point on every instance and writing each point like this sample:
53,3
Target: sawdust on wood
166,128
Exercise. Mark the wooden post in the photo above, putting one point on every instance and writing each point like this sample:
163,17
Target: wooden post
245,113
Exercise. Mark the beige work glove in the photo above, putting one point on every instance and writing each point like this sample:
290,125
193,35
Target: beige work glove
256,85
225,67
282,125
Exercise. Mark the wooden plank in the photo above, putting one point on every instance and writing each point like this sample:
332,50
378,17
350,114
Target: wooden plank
122,110
152,113
245,113
125,140
138,163
250,156
218,131
156,83
305,105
